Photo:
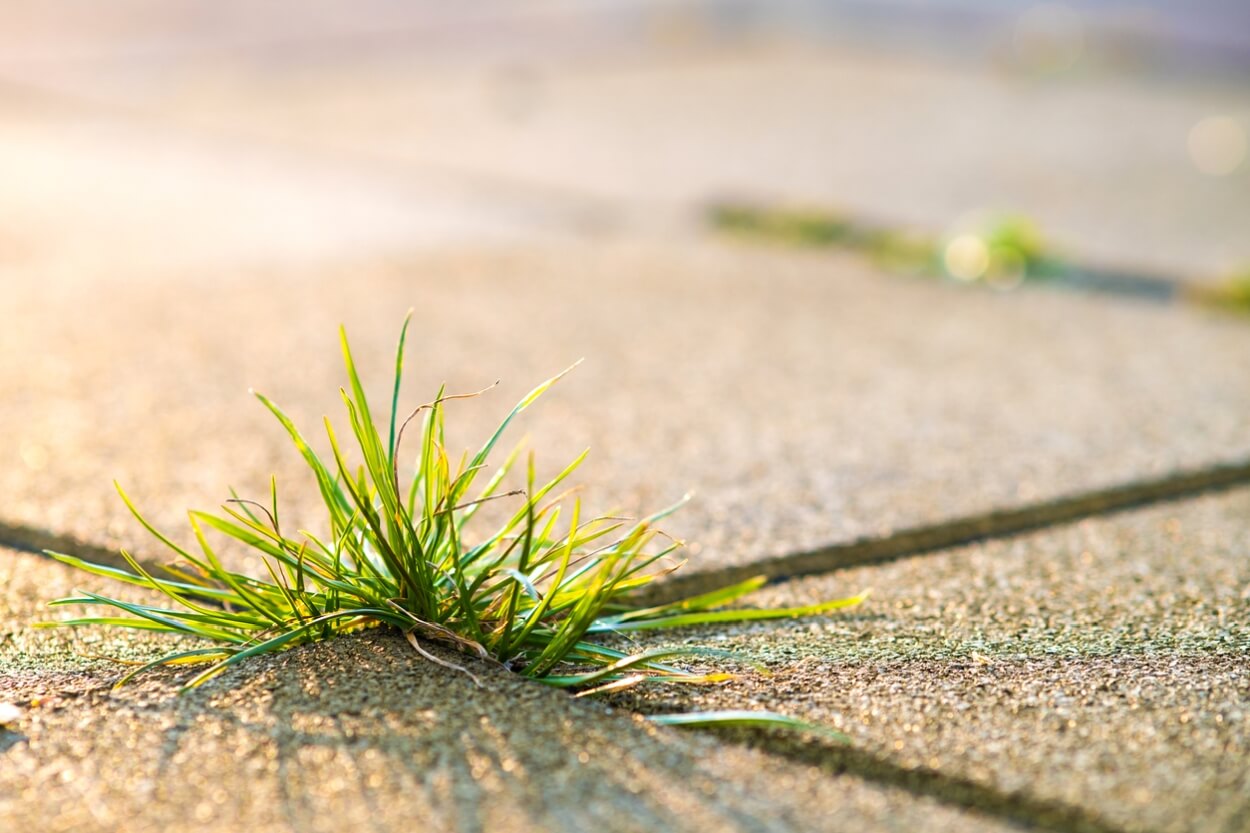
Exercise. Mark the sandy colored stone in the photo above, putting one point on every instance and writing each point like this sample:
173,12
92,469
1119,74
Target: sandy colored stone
362,733
91,191
1101,665
805,400
1099,160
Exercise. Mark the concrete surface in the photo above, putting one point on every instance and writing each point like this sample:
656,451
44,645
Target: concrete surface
363,733
190,213
1099,160
1101,665
798,396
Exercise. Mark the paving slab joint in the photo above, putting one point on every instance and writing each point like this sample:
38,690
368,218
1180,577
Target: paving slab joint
1016,808
998,523
919,540
25,538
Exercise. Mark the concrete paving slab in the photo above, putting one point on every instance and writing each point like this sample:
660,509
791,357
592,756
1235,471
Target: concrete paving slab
1100,665
1102,162
363,734
805,399
91,190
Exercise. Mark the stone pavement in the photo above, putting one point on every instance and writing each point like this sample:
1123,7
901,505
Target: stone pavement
177,239
363,733
630,141
1099,667
799,398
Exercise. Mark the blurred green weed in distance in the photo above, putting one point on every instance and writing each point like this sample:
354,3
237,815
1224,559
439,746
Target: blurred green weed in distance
1001,251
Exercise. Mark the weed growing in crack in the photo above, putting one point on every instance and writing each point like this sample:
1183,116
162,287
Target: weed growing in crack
536,595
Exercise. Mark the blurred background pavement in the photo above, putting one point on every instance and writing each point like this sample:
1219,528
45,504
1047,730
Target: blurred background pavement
141,136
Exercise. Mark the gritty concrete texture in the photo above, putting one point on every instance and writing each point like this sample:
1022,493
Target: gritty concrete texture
363,734
1101,665
799,397
1100,161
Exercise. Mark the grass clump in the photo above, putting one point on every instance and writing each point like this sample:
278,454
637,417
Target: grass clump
536,593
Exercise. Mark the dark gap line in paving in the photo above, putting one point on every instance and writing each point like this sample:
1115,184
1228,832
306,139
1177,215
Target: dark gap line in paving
1017,809
905,543
999,523
25,538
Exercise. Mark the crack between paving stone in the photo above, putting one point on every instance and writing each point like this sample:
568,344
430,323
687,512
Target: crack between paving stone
929,538
913,541
24,538
1016,808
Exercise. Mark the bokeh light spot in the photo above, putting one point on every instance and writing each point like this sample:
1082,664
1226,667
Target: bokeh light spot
966,257
1217,145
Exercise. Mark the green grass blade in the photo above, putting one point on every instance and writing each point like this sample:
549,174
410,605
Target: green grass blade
711,617
715,598
171,659
399,375
214,594
331,494
733,719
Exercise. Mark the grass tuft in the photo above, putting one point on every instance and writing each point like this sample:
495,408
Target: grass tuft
536,593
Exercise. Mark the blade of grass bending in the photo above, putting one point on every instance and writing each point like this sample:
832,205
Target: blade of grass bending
734,718
110,621
358,390
573,626
169,624
249,597
520,407
227,619
645,658
221,595
282,640
333,497
172,659
715,598
716,616
524,581
153,530
281,551
165,588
